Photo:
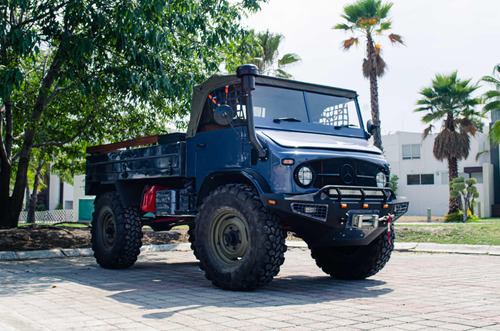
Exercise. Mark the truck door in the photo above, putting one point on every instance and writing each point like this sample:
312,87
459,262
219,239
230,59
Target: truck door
217,147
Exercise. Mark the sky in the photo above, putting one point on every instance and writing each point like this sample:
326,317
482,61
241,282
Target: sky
441,36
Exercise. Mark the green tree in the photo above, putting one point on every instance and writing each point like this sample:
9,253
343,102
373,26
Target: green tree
267,58
466,191
449,101
393,183
369,18
90,68
492,99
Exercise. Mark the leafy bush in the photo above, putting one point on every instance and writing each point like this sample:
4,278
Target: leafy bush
458,217
59,206
40,207
393,183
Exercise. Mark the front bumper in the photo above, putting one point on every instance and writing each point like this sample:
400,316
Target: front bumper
333,216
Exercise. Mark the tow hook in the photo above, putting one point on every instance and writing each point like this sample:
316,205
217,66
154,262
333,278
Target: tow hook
388,218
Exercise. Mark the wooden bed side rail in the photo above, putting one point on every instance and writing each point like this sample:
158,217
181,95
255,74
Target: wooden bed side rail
149,140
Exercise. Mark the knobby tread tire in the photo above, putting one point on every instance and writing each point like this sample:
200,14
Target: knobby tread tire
358,262
265,253
128,233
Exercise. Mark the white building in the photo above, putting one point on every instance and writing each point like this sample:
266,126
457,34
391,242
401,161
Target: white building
424,180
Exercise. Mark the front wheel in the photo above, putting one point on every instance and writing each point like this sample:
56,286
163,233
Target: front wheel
239,243
116,232
355,262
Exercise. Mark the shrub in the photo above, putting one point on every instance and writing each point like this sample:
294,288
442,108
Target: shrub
458,217
40,207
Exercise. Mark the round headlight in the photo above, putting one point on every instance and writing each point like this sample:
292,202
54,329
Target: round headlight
381,179
304,176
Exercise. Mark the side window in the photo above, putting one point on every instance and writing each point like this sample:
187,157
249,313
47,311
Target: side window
227,95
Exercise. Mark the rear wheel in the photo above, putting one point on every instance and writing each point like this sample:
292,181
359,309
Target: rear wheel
116,232
355,262
239,243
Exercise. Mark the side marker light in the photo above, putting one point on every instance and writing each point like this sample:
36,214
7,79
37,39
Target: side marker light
272,202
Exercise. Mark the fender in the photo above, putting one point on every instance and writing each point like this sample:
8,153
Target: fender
245,176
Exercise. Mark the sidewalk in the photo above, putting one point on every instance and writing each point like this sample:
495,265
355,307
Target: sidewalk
401,247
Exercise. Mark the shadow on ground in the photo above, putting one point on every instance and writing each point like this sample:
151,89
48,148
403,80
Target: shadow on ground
173,286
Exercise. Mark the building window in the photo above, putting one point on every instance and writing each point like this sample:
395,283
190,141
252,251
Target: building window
411,151
427,179
424,179
413,179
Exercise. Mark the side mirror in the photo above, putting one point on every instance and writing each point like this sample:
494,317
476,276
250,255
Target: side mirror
223,115
370,127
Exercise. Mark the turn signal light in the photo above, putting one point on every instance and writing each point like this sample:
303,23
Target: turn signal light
365,205
344,205
272,202
287,161
385,206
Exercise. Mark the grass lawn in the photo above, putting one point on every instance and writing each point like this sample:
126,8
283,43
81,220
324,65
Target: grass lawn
477,232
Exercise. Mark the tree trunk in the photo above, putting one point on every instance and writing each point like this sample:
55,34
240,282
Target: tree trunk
33,198
377,137
16,200
454,203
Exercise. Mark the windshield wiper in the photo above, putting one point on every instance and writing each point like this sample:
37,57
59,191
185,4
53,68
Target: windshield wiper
344,126
286,119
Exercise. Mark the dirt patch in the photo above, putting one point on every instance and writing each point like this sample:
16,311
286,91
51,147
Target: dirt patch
44,237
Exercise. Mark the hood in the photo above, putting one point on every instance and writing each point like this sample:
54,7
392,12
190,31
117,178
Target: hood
321,141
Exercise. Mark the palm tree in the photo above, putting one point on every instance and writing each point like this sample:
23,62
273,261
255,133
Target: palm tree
267,57
449,100
492,98
369,18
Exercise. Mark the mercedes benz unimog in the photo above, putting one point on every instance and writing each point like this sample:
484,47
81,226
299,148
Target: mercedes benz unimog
262,156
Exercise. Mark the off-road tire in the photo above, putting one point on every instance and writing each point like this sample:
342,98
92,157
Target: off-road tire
355,262
192,239
116,232
255,251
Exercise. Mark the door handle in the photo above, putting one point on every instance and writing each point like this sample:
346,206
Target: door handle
202,145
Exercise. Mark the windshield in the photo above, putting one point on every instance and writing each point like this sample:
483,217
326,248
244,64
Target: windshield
288,109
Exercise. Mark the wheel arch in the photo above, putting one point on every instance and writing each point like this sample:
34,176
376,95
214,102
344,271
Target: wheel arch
217,179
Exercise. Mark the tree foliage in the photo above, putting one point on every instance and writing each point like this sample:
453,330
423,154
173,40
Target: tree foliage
449,101
267,58
80,72
492,100
370,19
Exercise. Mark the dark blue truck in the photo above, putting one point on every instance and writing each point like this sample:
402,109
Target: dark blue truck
261,156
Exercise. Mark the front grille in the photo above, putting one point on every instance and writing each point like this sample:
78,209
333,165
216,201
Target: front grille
382,194
337,171
312,210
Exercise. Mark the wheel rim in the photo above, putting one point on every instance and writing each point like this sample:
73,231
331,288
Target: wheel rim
229,238
107,229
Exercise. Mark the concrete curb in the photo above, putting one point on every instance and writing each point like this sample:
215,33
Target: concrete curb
401,247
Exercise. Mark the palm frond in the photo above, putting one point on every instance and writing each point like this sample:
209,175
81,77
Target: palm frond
288,58
343,27
396,39
427,131
494,133
348,43
384,26
494,105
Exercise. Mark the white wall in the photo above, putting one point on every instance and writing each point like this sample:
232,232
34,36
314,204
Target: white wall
54,194
433,196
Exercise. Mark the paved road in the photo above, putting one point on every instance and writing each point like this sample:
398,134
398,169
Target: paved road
166,290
